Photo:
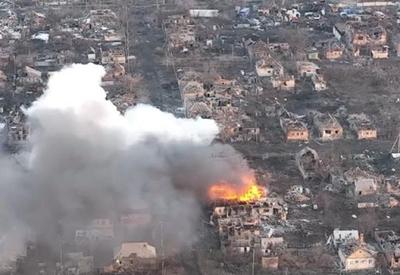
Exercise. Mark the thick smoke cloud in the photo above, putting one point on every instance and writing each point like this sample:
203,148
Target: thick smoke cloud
86,160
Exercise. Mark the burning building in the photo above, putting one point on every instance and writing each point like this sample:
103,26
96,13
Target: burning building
241,214
240,226
246,191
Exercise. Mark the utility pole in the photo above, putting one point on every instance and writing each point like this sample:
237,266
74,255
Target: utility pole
61,257
162,249
127,53
252,266
257,132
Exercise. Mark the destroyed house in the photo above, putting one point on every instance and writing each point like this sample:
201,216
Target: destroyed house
267,207
174,20
222,83
333,53
364,35
258,50
307,69
328,127
343,237
5,55
196,109
30,76
231,211
333,50
240,225
389,244
97,230
307,161
182,38
101,20
103,15
192,90
362,126
380,52
270,207
187,76
283,82
278,47
227,120
112,36
319,83
270,248
47,62
206,13
219,99
90,235
268,243
369,201
138,218
392,185
233,220
114,55
17,134
114,72
232,225
139,249
357,256
3,79
270,262
361,183
77,264
396,43
268,66
246,131
135,257
242,246
241,240
312,53
16,129
36,19
225,225
180,32
294,130
297,193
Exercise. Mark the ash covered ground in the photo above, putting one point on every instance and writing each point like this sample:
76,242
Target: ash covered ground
108,168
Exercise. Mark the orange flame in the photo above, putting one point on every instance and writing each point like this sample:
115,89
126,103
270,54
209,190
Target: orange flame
247,192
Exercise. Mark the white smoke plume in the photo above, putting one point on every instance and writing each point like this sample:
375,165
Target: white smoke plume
86,160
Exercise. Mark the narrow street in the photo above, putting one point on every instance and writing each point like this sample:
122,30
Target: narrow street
160,81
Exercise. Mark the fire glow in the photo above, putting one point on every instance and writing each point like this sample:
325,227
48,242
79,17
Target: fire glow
247,192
